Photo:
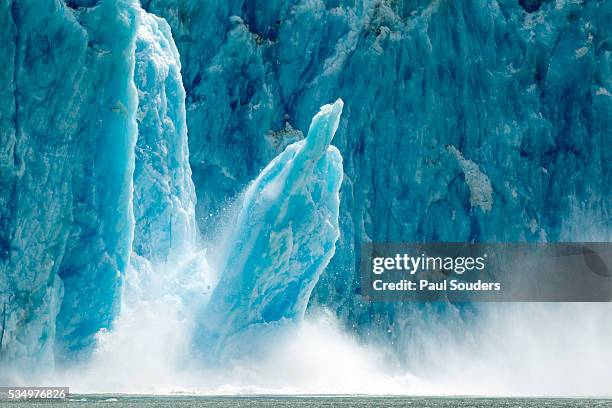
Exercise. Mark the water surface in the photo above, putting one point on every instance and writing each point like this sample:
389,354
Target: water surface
127,401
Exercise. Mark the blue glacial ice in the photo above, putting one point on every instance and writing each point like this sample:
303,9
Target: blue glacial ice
463,121
97,196
284,236
95,169
68,136
164,195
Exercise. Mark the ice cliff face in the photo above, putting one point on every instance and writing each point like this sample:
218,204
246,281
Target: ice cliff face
283,238
94,165
96,183
164,196
68,135
464,120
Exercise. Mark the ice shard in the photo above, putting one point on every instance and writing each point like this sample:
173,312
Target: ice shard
283,238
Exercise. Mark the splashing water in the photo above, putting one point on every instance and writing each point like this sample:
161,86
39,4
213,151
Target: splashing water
503,349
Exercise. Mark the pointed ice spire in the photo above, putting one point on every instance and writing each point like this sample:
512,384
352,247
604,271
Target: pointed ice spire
323,128
283,238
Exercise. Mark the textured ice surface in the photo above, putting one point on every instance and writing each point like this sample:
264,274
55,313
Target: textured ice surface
96,183
463,120
283,238
164,196
93,126
68,136
481,193
520,92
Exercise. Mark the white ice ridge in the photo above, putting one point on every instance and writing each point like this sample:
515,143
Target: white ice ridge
283,238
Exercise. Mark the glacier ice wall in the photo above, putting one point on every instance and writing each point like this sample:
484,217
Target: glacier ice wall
94,166
464,120
97,187
483,120
68,135
98,250
283,238
164,196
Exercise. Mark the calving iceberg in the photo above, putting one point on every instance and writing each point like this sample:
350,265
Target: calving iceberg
283,238
97,189
464,121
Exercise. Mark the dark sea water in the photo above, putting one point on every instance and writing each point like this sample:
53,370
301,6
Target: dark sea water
307,401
